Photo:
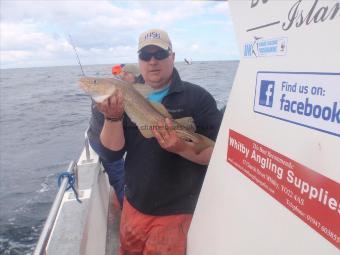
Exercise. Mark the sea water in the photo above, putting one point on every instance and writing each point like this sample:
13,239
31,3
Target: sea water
43,117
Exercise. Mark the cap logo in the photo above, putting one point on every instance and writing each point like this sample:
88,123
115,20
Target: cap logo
152,35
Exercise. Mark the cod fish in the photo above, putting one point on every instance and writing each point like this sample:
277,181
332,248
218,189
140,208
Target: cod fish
143,113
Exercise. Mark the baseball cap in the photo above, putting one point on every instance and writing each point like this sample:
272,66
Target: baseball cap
155,37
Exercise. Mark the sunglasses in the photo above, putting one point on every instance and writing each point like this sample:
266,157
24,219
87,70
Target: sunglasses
159,55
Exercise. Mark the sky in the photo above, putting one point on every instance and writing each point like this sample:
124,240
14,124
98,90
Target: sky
37,33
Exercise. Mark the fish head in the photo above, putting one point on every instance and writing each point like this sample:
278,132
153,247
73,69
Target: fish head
98,88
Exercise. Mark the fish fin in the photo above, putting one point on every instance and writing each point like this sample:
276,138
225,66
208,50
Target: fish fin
100,98
142,89
188,123
161,108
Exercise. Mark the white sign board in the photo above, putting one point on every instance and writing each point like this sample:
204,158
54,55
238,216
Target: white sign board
272,186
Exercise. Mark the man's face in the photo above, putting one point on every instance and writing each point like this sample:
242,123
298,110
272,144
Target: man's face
128,77
156,73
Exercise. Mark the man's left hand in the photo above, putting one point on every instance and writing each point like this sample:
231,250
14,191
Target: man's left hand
168,139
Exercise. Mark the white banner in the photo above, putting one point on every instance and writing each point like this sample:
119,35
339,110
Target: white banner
307,99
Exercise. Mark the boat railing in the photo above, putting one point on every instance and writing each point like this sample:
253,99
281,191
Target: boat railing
45,234
87,146
40,248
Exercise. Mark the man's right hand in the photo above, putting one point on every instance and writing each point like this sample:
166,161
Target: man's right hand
113,107
112,135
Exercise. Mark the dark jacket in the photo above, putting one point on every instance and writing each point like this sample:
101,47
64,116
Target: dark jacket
159,182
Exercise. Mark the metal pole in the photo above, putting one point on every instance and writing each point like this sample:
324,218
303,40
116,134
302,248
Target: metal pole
45,234
87,146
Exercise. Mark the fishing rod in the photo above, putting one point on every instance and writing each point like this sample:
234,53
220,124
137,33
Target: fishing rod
75,51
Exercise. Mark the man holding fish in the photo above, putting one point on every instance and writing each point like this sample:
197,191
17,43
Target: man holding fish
168,136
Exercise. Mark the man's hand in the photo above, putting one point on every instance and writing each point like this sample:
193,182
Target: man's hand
112,107
112,135
168,139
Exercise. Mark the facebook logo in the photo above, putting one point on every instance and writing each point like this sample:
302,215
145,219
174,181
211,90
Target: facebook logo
267,93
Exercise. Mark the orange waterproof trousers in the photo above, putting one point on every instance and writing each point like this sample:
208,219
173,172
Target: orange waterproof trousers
142,234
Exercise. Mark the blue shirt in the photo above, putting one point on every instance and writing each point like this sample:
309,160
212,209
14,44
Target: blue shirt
158,95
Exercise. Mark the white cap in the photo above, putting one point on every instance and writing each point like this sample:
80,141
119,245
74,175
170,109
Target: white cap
155,37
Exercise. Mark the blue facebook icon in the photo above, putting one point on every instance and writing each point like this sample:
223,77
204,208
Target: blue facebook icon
267,93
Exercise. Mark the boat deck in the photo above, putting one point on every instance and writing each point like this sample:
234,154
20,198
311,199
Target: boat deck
92,226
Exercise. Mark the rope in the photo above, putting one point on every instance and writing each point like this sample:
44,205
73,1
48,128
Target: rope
71,181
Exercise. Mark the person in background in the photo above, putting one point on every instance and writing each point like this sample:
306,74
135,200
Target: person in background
163,175
126,72
130,73
114,169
